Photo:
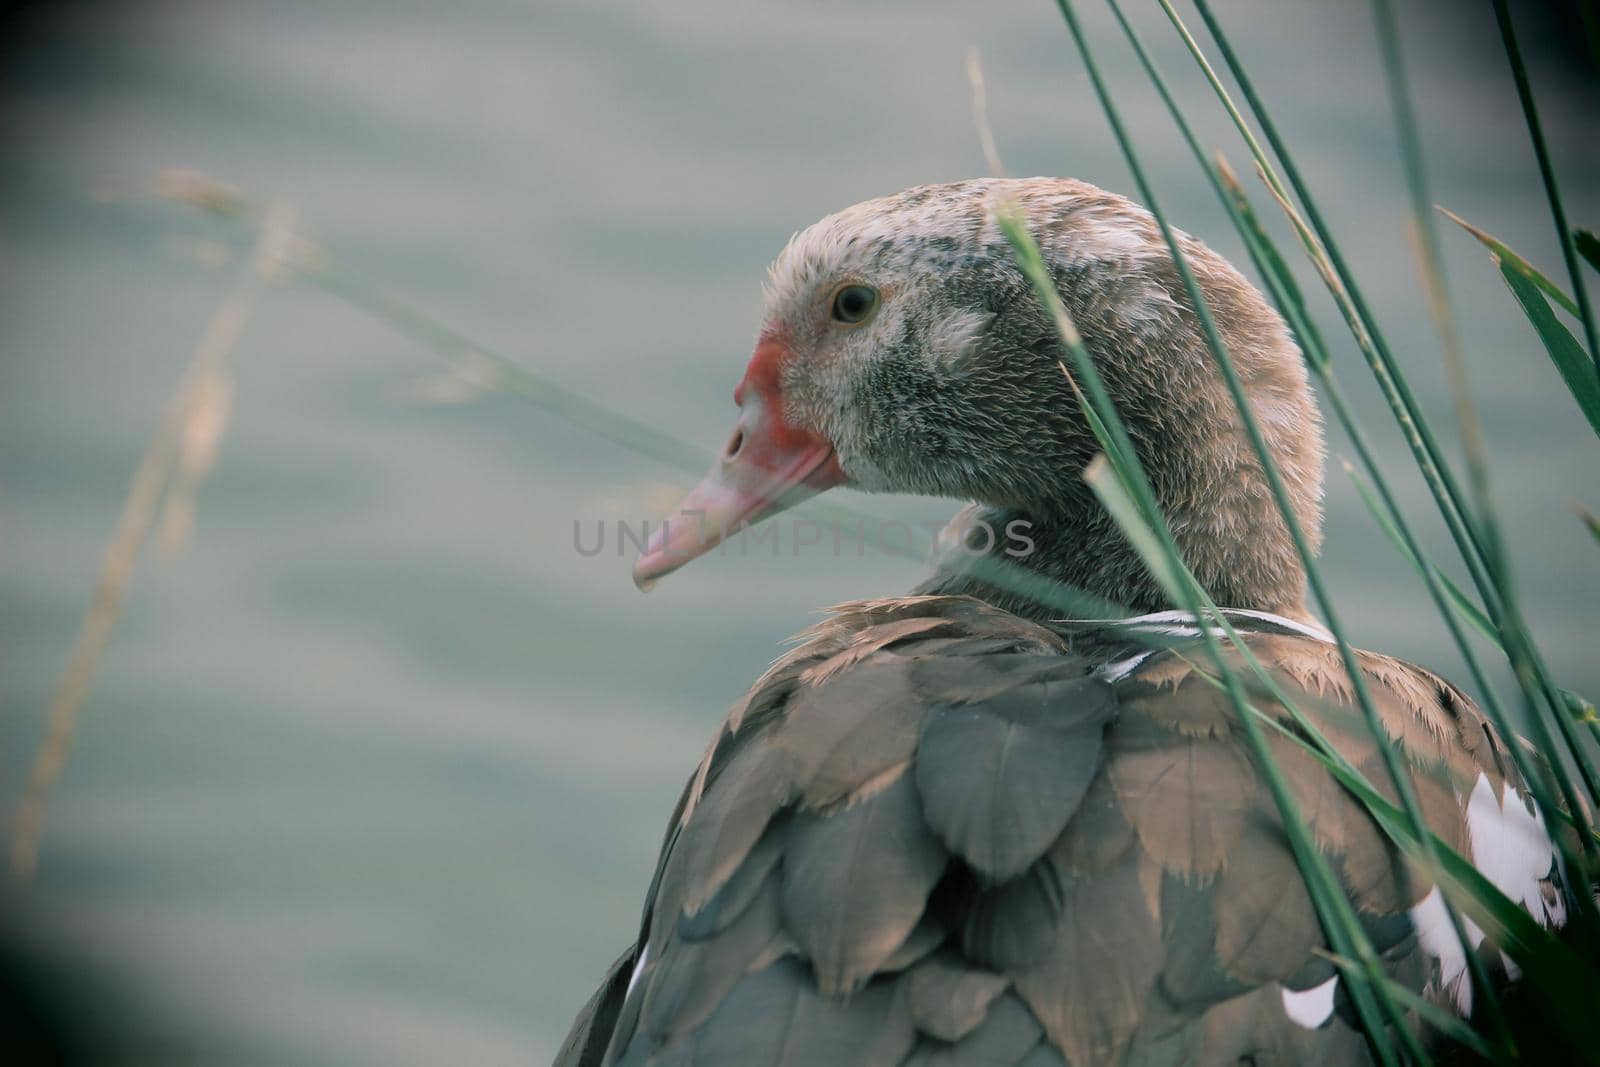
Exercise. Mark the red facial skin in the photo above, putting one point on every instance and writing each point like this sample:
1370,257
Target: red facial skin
764,373
768,464
780,439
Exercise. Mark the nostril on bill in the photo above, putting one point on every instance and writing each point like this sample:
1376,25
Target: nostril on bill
735,443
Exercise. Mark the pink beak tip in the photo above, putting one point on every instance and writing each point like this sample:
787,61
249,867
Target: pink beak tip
652,564
644,578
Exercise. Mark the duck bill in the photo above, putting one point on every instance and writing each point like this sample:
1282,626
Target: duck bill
766,467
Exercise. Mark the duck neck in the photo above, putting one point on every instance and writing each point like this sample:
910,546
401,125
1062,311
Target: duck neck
1044,564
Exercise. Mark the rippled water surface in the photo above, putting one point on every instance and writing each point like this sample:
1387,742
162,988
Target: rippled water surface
375,770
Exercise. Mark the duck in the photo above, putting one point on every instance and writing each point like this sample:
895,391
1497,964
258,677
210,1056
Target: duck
963,826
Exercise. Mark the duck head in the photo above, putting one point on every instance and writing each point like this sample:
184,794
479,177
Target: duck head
903,351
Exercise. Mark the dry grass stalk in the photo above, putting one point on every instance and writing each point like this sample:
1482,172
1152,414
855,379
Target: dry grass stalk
980,112
179,455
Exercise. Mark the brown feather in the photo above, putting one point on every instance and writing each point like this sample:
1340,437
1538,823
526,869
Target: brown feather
867,642
1186,797
1098,836
1089,991
1266,924
1169,690
1322,800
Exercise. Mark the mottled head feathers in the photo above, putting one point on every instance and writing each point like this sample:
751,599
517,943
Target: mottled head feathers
952,387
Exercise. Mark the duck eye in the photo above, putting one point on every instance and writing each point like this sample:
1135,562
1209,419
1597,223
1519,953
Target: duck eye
854,303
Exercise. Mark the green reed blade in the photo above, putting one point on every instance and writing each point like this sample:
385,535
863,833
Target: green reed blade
1571,361
1508,257
1547,174
1588,246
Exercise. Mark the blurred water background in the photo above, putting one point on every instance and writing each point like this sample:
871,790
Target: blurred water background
375,770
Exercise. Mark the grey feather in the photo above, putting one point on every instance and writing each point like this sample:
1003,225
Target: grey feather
1192,978
1007,927
949,997
691,978
927,935
585,1045
731,900
1007,1034
999,779
730,818
856,882
775,1018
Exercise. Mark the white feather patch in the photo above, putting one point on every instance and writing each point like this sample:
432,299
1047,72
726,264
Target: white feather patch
952,339
1306,628
1310,1008
1510,846
1508,843
638,969
1108,236
1182,624
1115,672
1439,940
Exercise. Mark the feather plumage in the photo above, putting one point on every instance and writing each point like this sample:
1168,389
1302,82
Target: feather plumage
952,827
